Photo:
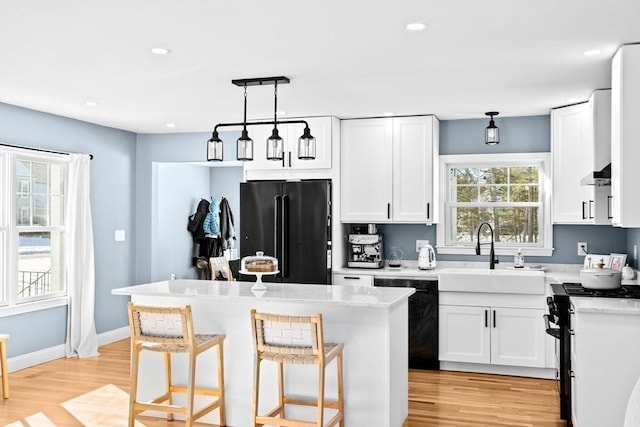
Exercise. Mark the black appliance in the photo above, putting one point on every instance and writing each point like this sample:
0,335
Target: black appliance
290,221
423,320
560,315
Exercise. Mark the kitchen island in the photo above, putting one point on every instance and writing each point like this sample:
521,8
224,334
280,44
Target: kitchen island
371,322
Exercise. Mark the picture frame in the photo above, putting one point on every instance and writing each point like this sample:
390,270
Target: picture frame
617,261
592,260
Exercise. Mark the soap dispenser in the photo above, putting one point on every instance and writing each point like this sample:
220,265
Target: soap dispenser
518,260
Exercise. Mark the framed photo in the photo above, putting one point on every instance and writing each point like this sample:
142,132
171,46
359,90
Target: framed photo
617,261
592,260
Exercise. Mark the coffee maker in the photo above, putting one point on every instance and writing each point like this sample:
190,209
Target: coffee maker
366,247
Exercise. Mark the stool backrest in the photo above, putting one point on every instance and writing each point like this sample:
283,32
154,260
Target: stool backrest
166,325
290,335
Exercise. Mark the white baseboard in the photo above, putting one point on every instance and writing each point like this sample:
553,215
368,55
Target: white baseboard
56,352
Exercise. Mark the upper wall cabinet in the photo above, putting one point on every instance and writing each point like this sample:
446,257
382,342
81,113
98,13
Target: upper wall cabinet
625,136
388,169
321,128
580,145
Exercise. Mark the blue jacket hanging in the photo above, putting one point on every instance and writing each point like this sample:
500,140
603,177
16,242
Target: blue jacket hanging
212,221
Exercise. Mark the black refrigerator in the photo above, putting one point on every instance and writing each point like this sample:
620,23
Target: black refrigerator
291,221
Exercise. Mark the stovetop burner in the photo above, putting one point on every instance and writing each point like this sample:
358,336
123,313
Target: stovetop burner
625,291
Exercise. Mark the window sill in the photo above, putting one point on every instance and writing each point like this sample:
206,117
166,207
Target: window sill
28,307
459,250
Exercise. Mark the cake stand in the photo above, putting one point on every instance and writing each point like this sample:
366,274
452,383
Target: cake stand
259,286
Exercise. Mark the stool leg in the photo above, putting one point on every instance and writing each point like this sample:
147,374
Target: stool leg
191,385
340,388
133,389
3,367
320,416
256,389
169,381
281,389
223,417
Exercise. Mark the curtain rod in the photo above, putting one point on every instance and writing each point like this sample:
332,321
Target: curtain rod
43,150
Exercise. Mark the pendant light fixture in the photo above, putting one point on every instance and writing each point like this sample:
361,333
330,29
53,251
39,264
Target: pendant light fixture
275,144
244,145
492,133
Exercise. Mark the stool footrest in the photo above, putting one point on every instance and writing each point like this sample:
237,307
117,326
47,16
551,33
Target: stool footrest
332,404
197,390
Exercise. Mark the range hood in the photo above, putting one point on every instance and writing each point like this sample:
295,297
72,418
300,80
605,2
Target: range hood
601,177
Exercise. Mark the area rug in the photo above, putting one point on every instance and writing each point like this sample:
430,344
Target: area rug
107,406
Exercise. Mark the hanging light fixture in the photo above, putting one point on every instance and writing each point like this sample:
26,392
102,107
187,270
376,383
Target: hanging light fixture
306,145
214,147
244,145
492,133
275,144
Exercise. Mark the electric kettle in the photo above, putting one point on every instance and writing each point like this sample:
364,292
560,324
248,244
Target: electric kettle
426,257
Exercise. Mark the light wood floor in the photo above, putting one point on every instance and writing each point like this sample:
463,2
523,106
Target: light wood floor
435,398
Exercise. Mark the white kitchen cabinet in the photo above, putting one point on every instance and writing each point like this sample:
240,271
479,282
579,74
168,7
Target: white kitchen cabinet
348,279
492,335
580,145
388,169
321,128
625,135
605,350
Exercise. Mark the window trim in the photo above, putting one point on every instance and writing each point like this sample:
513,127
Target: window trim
498,160
11,305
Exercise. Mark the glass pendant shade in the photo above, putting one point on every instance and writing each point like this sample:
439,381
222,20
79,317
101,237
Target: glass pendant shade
491,133
275,146
214,148
306,145
244,147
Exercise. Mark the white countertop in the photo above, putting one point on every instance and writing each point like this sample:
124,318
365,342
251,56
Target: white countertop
288,292
606,305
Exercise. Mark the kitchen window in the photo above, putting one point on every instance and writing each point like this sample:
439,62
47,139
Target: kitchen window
32,226
509,191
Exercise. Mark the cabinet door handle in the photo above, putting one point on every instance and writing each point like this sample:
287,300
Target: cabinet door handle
289,158
428,210
351,278
486,318
609,216
590,209
388,210
584,208
494,318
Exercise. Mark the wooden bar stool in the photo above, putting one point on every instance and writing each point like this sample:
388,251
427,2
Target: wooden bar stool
3,365
170,330
295,340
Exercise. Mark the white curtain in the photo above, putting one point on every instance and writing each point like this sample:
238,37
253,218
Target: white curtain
82,340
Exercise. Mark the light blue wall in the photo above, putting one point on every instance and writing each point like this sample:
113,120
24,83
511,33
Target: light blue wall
112,202
164,148
517,135
178,189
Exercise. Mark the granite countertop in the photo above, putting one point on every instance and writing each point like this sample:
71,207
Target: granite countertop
277,292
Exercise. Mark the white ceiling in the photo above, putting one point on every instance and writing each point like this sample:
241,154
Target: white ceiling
344,58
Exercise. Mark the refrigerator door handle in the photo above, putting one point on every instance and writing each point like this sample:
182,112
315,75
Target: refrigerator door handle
284,233
277,231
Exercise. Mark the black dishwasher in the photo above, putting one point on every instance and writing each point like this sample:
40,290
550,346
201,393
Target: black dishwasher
423,320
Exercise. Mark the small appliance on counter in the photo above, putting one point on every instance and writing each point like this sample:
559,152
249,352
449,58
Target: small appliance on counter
365,250
426,257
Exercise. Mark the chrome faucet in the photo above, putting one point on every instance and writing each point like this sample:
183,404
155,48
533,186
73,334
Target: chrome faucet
493,260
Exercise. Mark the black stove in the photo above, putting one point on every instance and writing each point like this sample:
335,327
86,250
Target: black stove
577,290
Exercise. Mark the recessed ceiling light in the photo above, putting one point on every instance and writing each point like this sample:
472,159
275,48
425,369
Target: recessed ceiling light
160,51
91,104
388,113
591,52
416,26
170,125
